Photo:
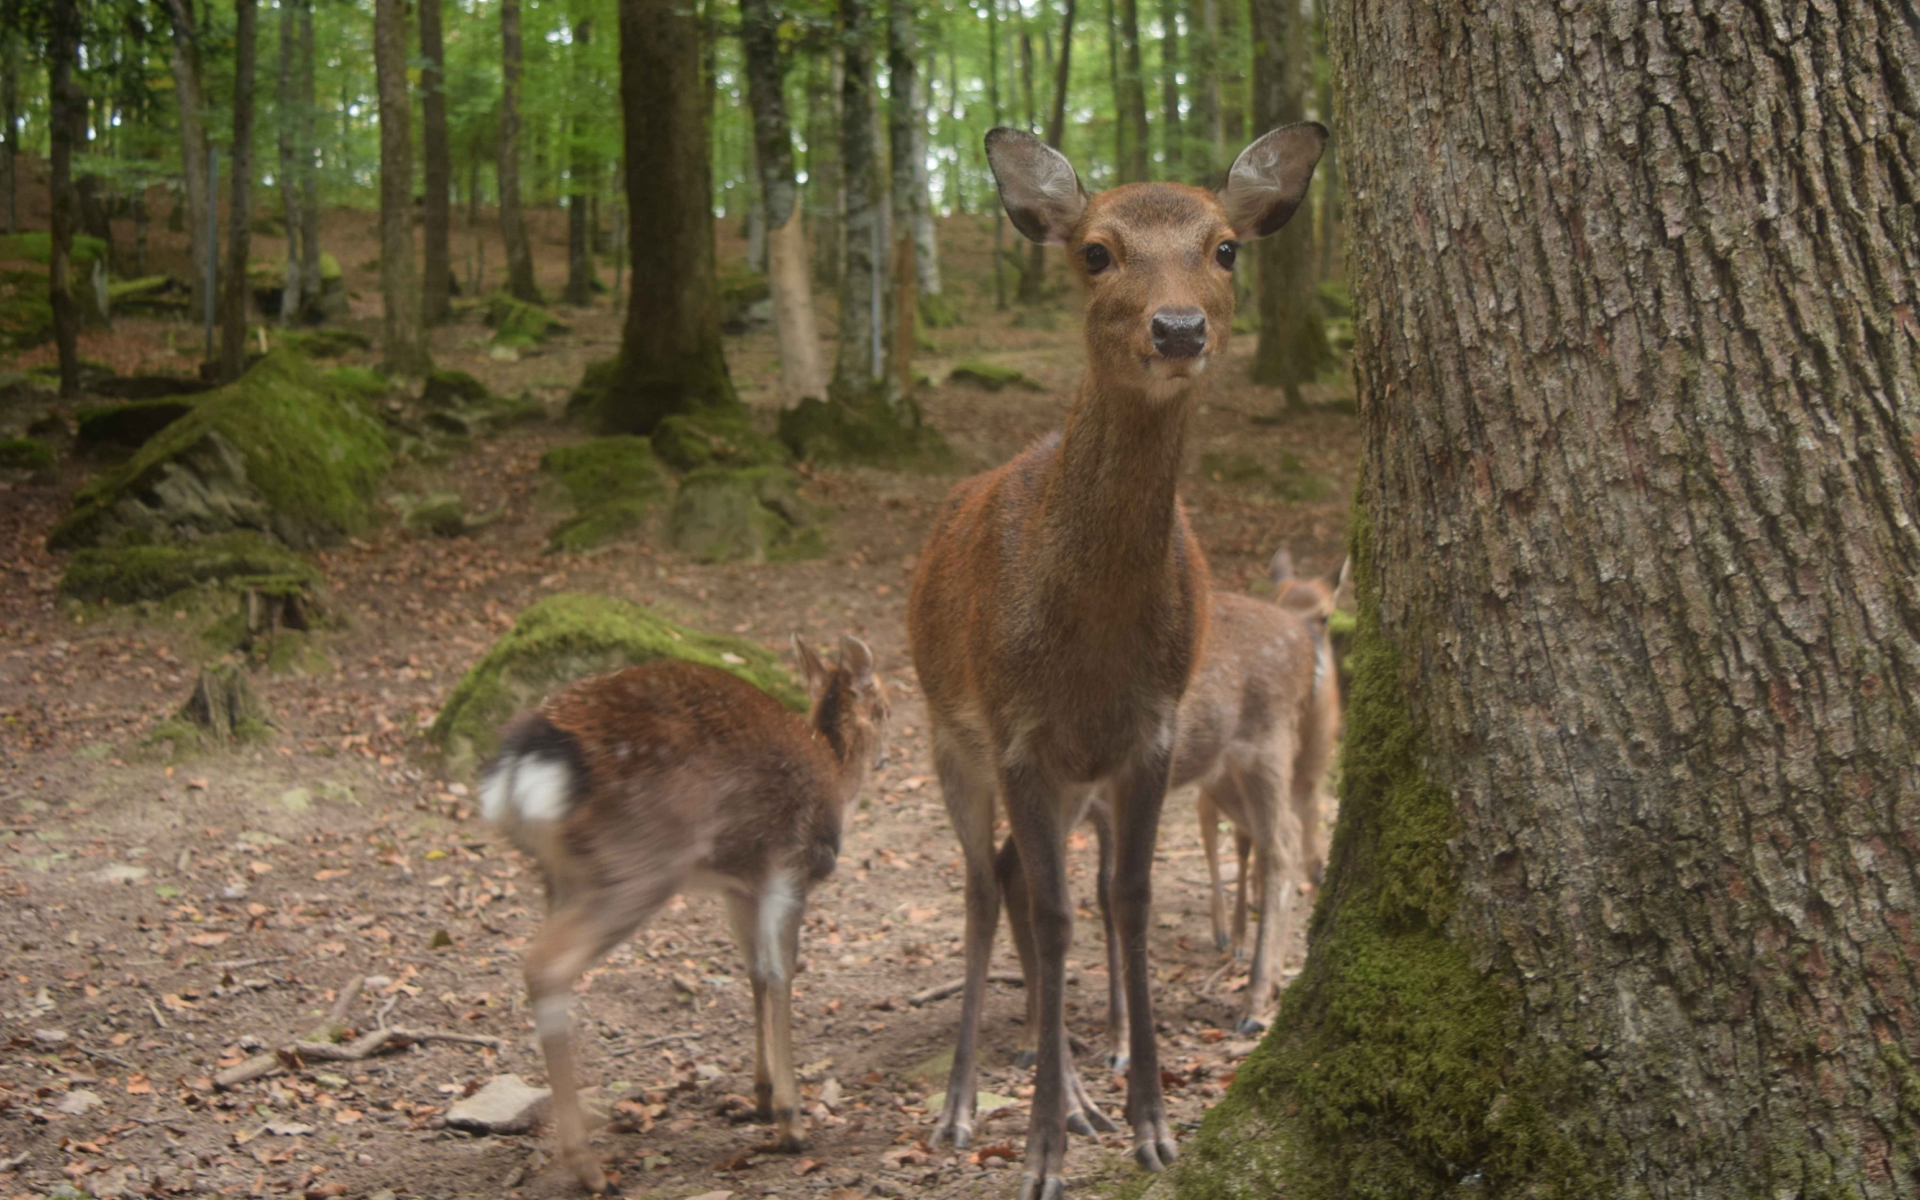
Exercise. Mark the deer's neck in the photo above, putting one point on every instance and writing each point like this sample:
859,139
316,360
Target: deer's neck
1110,519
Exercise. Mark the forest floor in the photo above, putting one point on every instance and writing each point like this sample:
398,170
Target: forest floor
161,921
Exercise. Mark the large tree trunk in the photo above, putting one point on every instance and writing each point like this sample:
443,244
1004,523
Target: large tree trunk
188,93
826,200
1623,896
287,130
1230,59
1170,135
66,103
236,296
906,127
1206,139
802,370
1133,93
311,285
582,171
1329,172
10,110
404,346
670,354
1293,334
436,275
513,224
1032,283
861,357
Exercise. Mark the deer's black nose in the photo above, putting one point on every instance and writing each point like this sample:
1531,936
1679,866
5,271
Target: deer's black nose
1179,332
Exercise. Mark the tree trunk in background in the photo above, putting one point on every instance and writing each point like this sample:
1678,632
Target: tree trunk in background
311,283
188,93
1329,171
825,202
436,275
513,225
926,233
1121,129
1170,135
1293,332
1028,109
1231,59
404,348
1138,167
1623,896
582,172
1206,139
286,128
1032,284
10,109
861,358
993,102
906,128
65,101
670,356
236,296
802,370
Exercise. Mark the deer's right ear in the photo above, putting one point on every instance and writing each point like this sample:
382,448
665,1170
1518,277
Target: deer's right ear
810,665
1038,185
1281,568
1269,179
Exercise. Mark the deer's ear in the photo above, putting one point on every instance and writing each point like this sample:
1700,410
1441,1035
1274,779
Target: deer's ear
1281,568
810,665
857,660
1269,179
1345,577
1042,194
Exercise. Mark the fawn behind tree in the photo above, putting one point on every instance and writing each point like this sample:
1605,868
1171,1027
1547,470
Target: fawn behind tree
1060,600
631,787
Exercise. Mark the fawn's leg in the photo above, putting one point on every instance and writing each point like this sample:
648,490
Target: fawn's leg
1137,795
1242,847
1210,842
1036,811
743,913
1101,814
1272,847
781,905
969,792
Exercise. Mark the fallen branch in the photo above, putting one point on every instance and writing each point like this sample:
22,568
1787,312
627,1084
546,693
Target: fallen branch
241,964
954,988
323,1044
155,1010
107,1058
268,1062
370,1044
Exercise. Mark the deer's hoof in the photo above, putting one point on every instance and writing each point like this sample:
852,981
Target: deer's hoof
951,1133
1222,942
1250,1026
1026,1058
588,1172
1117,1063
1032,1187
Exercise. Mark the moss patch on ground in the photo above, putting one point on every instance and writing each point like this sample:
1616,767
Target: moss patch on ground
325,343
614,484
570,636
519,324
867,427
1288,478
125,574
754,513
26,314
1396,1068
715,439
281,450
991,377
25,454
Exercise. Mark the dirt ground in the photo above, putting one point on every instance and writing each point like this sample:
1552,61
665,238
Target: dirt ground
161,922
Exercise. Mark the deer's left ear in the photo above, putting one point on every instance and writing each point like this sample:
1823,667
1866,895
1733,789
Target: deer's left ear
857,659
1269,179
810,666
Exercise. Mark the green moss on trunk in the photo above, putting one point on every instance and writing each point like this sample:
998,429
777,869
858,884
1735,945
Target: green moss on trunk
571,636
615,396
1396,1069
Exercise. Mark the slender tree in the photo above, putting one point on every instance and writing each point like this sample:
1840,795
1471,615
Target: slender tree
236,295
1170,130
68,105
1033,280
906,136
670,352
802,371
861,360
287,133
581,171
1293,334
404,343
1137,167
311,283
513,224
1230,59
826,202
10,35
993,103
1206,144
1622,897
191,99
436,275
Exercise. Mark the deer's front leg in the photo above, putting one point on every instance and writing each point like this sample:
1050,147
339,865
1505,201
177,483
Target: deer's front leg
1138,795
969,793
1038,816
1101,814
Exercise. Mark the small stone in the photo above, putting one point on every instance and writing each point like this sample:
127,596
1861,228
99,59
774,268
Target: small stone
50,1037
122,873
508,1104
79,1101
289,1128
234,891
296,800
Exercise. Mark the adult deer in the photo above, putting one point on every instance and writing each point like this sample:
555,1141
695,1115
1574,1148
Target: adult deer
630,787
1061,599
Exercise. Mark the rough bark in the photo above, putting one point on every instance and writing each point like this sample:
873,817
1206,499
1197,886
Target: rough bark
236,297
436,273
1137,167
670,353
1293,333
404,345
802,370
65,100
191,98
1622,900
1170,133
513,224
309,171
286,122
861,357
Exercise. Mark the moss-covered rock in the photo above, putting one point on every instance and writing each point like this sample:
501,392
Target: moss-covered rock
436,514
325,343
25,454
223,710
715,439
869,428
26,314
571,636
755,513
280,450
614,484
937,311
447,388
127,426
519,324
361,383
125,574
746,298
991,377
148,294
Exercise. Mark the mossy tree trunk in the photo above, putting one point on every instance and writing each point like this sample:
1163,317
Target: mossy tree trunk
236,297
513,223
404,344
436,276
1623,894
1137,166
309,166
860,362
583,170
826,198
190,95
286,122
906,128
68,108
1206,140
1293,334
10,111
670,350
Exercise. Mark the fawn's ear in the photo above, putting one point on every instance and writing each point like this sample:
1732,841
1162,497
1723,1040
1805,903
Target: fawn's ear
1345,577
1269,179
857,660
1042,194
810,666
1281,568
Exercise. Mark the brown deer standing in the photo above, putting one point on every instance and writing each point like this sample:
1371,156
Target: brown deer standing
1256,731
630,787
1060,600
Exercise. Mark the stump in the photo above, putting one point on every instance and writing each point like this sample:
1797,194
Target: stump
224,705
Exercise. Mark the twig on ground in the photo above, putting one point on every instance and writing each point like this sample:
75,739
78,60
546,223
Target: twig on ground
107,1058
954,988
241,964
155,1010
323,1044
650,1043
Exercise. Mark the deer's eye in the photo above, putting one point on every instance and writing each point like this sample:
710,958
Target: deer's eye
1097,258
1224,254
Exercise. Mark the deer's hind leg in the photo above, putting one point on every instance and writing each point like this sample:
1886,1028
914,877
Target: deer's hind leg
767,928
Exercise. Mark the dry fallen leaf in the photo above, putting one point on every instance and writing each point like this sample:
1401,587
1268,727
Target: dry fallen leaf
139,1085
347,1116
208,939
807,1166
